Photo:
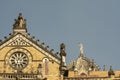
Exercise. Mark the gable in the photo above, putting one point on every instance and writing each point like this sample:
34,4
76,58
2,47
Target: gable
15,40
20,40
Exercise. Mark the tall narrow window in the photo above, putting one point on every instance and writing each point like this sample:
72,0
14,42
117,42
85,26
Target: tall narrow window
46,66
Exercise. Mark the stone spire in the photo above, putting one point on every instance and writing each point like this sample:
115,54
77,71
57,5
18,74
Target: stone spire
81,50
20,25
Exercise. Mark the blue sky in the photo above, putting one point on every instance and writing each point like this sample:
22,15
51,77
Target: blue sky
94,23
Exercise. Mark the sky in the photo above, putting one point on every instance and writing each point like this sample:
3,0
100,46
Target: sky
94,23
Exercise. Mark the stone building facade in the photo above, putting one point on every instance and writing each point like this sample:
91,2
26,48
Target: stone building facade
24,58
85,69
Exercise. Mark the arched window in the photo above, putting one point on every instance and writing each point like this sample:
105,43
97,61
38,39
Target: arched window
46,65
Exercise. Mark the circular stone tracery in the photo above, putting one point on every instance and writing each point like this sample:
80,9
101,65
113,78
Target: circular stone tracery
18,60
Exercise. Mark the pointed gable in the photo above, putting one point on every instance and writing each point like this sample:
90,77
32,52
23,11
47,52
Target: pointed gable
20,38
21,53
15,40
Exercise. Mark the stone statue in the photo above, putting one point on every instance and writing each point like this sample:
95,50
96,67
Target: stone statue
81,48
20,22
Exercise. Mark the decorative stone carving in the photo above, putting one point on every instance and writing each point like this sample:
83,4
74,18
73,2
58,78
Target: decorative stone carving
82,64
19,41
81,48
20,22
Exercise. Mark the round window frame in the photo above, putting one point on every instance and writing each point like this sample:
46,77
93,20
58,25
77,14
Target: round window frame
10,63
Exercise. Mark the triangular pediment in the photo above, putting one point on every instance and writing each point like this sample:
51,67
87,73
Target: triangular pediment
21,40
15,40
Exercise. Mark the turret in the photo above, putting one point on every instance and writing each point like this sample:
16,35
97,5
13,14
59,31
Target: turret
63,57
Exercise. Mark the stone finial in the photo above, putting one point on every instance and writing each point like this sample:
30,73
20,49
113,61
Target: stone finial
62,49
47,47
111,72
51,50
62,46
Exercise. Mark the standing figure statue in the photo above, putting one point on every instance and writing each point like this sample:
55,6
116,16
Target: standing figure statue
20,18
81,49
